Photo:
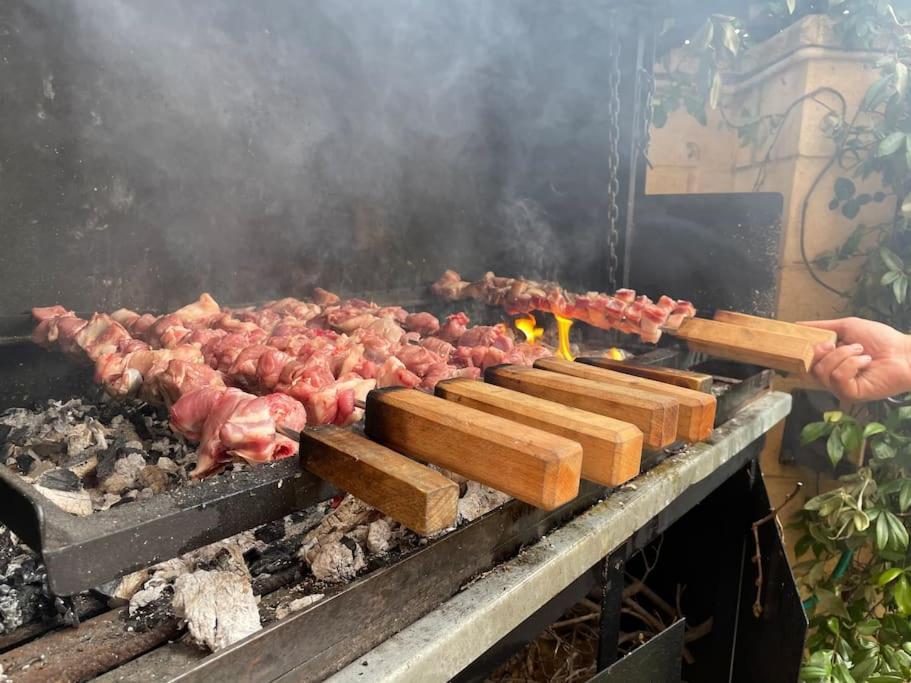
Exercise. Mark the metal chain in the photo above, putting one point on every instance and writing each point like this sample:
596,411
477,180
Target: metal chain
645,135
613,162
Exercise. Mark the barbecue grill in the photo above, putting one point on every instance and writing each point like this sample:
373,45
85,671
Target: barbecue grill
149,226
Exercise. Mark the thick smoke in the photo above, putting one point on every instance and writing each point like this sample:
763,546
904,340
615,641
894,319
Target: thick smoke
155,149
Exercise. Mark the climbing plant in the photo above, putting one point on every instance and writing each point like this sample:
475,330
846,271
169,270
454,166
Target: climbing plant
853,546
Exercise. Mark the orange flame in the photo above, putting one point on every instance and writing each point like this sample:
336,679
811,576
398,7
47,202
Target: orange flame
527,325
615,354
563,325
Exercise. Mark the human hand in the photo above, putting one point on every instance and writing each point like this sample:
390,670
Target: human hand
870,361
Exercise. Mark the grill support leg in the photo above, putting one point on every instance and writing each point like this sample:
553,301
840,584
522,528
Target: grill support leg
612,584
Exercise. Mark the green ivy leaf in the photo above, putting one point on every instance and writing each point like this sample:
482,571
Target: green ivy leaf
892,261
873,428
850,209
813,432
882,532
897,531
891,144
889,576
883,451
868,627
901,78
900,289
889,277
902,595
730,39
835,448
904,496
833,204
715,91
844,189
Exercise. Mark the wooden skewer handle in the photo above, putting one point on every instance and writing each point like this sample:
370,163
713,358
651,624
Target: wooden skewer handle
656,416
611,450
416,496
687,379
537,467
696,410
748,345
813,335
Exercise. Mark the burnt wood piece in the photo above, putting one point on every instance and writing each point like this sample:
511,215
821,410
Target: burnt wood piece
77,654
655,415
611,449
537,467
82,552
696,410
416,496
314,643
682,378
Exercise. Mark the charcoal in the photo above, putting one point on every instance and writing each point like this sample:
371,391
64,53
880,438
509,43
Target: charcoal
55,451
24,461
271,561
154,613
271,532
59,480
8,550
4,431
18,436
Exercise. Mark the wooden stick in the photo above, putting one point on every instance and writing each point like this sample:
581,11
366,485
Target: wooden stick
421,499
696,409
814,335
747,345
697,381
611,450
655,415
534,466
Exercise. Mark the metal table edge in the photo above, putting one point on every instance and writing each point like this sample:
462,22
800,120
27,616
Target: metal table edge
445,641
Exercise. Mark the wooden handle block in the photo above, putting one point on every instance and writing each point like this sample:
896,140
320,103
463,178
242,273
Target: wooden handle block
655,416
611,450
416,496
748,345
814,335
696,381
696,409
536,467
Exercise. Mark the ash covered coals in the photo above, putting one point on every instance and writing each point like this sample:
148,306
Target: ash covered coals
87,456
24,595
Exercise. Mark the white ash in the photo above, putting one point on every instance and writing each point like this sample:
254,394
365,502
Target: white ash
218,607
297,605
339,560
118,451
478,500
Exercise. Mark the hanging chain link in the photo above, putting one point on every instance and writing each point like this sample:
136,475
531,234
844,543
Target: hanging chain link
613,162
645,135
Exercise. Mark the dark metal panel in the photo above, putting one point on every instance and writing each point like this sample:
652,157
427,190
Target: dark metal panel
657,661
718,250
782,626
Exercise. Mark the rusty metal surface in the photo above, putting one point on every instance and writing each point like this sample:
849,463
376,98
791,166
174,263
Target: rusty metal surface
77,654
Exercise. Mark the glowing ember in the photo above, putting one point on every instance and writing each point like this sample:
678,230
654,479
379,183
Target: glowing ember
563,325
527,325
615,354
